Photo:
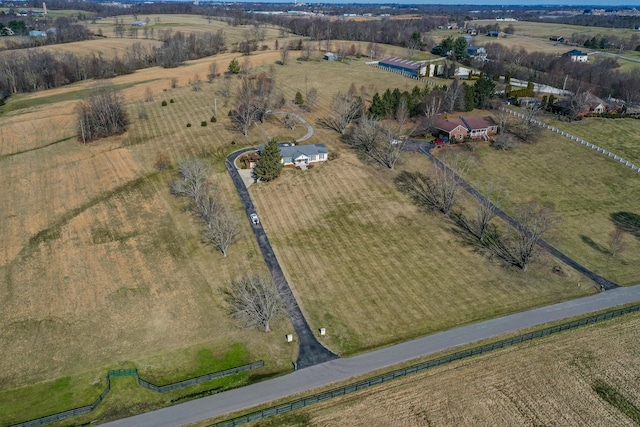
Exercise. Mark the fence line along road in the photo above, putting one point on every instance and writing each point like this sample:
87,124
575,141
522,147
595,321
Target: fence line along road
575,138
333,371
403,372
133,372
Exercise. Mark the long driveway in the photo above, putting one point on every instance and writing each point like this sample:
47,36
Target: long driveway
310,351
604,283
342,369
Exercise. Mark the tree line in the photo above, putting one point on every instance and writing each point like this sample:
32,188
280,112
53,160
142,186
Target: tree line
599,75
32,70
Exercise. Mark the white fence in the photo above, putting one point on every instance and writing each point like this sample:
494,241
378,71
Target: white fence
575,138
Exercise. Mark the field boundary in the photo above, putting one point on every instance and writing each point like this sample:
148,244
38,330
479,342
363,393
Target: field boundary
575,138
133,372
403,372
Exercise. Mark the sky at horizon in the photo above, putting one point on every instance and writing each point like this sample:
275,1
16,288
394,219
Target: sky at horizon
479,3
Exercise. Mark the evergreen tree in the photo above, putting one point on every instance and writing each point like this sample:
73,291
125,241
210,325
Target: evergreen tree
484,90
269,165
299,100
377,109
234,66
469,98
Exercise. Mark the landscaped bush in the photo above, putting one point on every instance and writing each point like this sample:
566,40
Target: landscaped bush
171,101
213,119
203,123
188,125
164,103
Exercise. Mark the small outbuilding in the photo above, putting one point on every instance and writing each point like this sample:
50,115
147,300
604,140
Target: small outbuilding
330,56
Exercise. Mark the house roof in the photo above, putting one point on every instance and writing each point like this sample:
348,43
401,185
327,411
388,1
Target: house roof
303,150
479,122
448,125
469,123
575,52
404,63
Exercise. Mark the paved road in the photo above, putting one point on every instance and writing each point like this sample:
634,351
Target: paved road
310,351
342,369
604,284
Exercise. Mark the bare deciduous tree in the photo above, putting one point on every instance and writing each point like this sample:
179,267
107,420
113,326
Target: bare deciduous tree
413,46
312,98
440,190
504,141
255,301
491,200
526,129
193,176
148,95
346,108
289,122
517,246
102,114
196,84
284,54
222,230
213,72
454,98
616,241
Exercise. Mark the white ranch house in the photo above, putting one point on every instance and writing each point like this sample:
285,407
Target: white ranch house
300,155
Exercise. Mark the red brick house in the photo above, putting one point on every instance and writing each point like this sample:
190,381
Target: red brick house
467,127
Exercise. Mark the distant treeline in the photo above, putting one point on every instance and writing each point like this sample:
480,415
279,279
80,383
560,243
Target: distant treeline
31,70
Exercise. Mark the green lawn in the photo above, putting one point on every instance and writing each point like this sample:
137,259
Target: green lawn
587,190
620,136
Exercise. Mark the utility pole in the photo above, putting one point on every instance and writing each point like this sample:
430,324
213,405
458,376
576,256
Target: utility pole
565,82
215,107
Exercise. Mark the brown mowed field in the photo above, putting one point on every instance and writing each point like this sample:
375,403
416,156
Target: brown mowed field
99,264
544,30
187,24
105,47
545,382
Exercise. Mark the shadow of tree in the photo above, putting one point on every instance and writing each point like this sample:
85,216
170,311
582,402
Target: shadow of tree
628,221
594,245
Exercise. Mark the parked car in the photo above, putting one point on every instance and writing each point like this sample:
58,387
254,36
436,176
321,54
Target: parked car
254,218
438,141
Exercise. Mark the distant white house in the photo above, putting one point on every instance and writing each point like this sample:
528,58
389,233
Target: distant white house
36,33
477,52
139,23
576,56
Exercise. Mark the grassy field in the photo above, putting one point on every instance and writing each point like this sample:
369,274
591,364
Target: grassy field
95,250
369,266
544,30
586,189
619,136
107,48
555,386
100,267
188,24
